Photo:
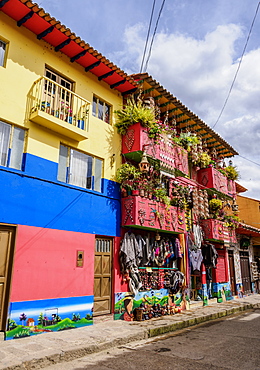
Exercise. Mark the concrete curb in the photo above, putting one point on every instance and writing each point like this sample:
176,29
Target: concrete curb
123,334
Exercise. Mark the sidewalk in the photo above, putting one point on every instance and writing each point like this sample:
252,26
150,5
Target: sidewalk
49,348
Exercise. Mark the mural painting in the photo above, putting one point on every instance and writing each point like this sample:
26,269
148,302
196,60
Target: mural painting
36,317
152,303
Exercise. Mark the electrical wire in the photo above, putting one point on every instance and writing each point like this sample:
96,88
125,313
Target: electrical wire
238,68
155,29
258,164
148,34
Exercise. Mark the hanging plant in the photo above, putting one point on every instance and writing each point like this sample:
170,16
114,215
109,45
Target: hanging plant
215,204
134,112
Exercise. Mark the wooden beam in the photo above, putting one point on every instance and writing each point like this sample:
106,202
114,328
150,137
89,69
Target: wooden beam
45,33
102,77
62,44
131,91
79,55
117,84
3,2
25,18
93,65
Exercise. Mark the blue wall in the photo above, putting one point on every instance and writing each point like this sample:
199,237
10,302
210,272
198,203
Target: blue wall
28,200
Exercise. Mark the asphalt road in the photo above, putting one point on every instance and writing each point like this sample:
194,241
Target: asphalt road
231,343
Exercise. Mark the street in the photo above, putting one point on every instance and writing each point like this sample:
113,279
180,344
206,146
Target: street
229,343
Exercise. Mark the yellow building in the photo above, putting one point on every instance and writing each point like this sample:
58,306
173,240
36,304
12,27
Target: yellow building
60,217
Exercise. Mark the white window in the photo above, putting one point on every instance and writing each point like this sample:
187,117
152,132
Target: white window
79,169
11,146
101,109
2,53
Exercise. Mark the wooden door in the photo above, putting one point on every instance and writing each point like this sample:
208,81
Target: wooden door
245,272
232,272
102,276
6,256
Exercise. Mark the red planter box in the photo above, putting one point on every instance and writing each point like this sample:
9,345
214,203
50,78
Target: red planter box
215,229
212,178
171,156
143,212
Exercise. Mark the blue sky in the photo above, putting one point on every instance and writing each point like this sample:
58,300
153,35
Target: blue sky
195,56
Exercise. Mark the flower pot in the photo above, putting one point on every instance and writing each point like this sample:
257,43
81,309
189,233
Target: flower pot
81,124
135,192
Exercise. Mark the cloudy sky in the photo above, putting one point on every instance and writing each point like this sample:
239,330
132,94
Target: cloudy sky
195,55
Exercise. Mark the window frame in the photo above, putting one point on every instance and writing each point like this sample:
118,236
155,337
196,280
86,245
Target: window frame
4,59
66,174
97,102
14,130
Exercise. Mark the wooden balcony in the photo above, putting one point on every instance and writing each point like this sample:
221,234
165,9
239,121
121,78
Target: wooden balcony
150,214
171,155
213,179
216,230
59,109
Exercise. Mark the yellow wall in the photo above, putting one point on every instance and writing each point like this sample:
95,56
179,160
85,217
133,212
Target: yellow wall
26,60
249,211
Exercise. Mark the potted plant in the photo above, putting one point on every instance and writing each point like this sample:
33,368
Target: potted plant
127,175
131,113
232,173
215,206
231,221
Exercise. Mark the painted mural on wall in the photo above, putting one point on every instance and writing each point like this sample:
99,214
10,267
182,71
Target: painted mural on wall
154,303
222,292
35,317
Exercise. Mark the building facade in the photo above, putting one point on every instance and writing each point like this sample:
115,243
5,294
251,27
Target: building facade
60,215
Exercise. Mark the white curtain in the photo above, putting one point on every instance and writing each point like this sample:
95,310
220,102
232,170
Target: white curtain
5,131
78,168
2,53
17,148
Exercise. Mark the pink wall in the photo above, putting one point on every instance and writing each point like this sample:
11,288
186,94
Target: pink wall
45,264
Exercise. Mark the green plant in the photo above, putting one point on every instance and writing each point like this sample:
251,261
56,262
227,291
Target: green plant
127,175
231,221
215,204
187,140
131,113
232,173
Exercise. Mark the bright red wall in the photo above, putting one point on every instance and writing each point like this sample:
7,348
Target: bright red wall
45,264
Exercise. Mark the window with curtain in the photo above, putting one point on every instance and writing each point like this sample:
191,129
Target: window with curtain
79,169
101,109
11,145
2,53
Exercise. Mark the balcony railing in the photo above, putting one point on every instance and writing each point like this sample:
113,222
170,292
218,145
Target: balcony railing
150,214
216,230
170,155
59,108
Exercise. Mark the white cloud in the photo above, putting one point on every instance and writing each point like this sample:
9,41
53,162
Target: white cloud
200,73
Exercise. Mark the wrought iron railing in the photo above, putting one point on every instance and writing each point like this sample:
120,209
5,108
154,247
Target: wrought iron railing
60,102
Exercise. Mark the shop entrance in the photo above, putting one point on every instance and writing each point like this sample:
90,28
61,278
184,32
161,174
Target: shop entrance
245,272
6,258
102,276
232,272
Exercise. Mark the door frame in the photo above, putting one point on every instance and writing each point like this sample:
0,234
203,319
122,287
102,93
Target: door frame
111,305
9,271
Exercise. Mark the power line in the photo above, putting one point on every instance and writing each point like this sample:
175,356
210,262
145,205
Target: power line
239,64
147,38
155,29
258,164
